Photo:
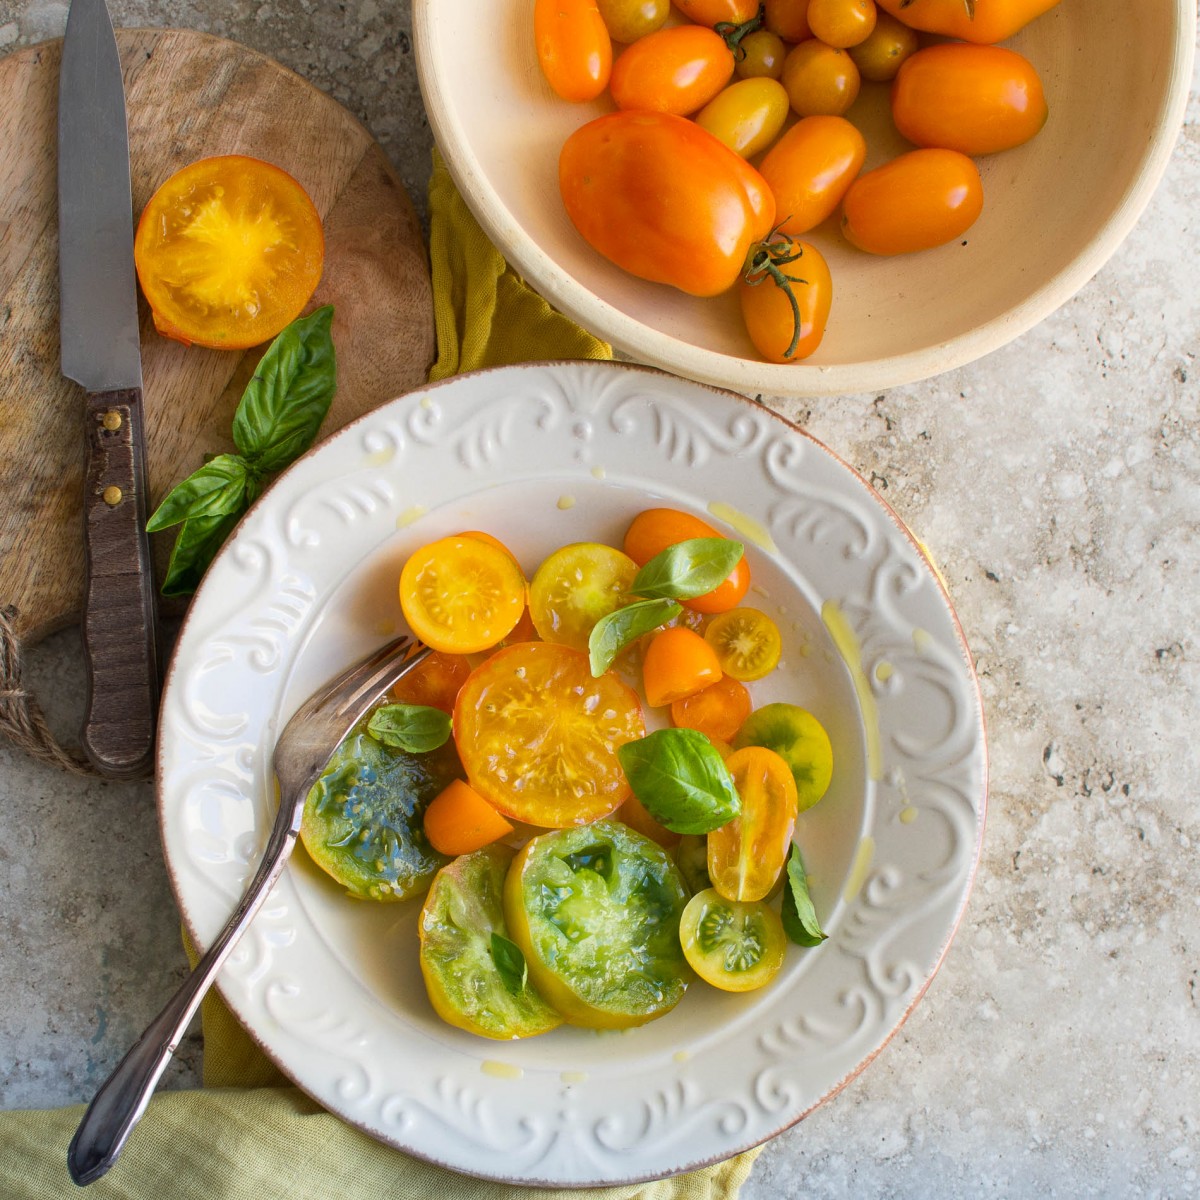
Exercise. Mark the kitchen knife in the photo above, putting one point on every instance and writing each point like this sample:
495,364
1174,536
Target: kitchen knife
101,351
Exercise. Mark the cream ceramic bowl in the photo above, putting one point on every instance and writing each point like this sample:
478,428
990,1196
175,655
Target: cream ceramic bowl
1116,76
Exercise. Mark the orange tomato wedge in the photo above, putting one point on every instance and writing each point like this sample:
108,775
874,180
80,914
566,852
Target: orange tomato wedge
459,820
678,663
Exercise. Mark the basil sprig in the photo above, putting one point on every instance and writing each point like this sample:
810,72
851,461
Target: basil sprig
612,633
688,569
510,964
276,420
681,779
416,728
799,916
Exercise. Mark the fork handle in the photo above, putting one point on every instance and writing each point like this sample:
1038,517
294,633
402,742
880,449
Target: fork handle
122,1099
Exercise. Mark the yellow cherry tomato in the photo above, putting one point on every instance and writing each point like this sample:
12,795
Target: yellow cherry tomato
820,79
628,20
799,739
736,946
885,50
747,116
841,23
747,643
762,57
788,18
575,587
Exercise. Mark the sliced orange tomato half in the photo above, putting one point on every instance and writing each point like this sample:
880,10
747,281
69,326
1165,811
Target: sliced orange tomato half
678,663
717,711
228,251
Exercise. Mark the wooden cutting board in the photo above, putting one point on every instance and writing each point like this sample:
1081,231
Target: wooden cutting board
188,95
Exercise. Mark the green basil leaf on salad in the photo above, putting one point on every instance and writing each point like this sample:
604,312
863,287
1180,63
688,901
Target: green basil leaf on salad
612,633
688,569
681,779
510,963
799,916
416,728
217,489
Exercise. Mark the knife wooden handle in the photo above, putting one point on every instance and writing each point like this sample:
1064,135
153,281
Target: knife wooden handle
120,619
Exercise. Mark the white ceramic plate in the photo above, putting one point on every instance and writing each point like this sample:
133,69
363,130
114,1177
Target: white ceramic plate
543,455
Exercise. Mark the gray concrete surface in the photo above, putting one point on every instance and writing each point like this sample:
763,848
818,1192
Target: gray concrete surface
1057,482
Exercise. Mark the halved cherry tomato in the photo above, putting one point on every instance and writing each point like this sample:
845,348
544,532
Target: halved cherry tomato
780,333
881,55
983,21
747,116
799,739
747,643
718,711
664,199
788,18
718,12
459,820
842,23
573,47
975,99
746,856
628,20
820,79
762,56
654,529
461,594
676,70
678,663
922,199
434,682
735,946
575,587
538,736
810,168
228,251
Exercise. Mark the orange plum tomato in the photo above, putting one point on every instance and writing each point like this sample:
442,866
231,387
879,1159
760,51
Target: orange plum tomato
717,711
654,529
538,735
842,23
746,855
788,18
974,99
663,199
747,116
228,252
784,272
434,682
573,47
718,12
762,57
677,663
628,20
809,169
879,57
983,21
676,70
461,594
922,199
820,79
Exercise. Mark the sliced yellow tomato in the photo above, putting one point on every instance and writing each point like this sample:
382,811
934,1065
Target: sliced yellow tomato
747,643
736,946
575,587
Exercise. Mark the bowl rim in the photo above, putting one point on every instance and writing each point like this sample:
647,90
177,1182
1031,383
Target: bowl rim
631,337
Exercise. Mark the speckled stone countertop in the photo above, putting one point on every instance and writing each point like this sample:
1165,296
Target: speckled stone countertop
1057,483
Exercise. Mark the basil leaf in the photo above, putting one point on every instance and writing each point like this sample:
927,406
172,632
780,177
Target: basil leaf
612,633
195,547
217,489
510,963
688,569
681,779
416,728
799,916
286,401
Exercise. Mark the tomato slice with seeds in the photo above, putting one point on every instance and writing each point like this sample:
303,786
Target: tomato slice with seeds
747,643
538,735
736,946
575,587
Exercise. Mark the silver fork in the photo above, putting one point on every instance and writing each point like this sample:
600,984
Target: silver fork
302,752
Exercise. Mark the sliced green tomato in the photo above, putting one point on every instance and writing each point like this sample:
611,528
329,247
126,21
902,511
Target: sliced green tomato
735,945
596,910
462,911
800,740
363,818
575,587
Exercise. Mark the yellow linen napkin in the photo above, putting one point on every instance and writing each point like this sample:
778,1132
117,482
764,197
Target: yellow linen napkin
248,1134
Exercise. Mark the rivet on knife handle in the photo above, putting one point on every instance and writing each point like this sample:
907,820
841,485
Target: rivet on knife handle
120,621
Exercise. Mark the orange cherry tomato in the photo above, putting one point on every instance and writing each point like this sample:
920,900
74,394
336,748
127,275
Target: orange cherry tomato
628,20
459,820
820,79
788,18
633,812
809,169
228,252
718,12
461,594
538,736
780,333
676,70
746,856
573,47
889,44
718,711
434,682
664,199
842,23
747,115
654,529
984,21
975,99
762,57
678,663
922,199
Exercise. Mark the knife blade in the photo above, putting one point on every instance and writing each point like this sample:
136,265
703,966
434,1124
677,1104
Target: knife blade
101,351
